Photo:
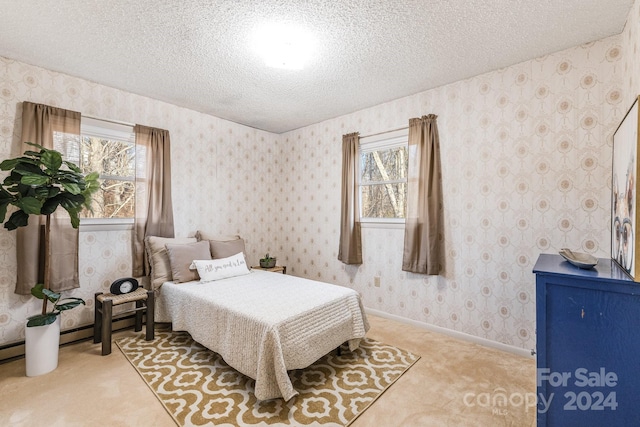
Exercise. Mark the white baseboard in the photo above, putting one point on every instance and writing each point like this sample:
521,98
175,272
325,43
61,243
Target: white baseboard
455,334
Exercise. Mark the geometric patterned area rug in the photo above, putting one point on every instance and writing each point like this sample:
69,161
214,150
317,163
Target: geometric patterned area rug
198,388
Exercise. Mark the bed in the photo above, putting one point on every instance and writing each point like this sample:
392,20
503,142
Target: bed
264,324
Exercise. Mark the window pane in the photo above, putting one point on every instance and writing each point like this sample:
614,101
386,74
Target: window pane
112,159
384,165
384,200
115,199
108,157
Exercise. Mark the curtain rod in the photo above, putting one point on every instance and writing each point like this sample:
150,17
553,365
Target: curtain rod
386,131
118,122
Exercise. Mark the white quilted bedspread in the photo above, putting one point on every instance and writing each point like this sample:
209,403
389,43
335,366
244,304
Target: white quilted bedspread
264,323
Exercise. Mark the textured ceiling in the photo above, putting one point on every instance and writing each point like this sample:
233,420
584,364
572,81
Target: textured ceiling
197,53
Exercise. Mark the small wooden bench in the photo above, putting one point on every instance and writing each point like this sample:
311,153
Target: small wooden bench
103,317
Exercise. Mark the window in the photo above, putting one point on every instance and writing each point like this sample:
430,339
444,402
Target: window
383,177
109,149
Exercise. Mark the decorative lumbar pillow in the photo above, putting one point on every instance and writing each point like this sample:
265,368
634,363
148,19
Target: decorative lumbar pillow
216,269
182,255
159,259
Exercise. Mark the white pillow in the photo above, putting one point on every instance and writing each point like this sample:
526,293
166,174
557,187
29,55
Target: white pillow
222,268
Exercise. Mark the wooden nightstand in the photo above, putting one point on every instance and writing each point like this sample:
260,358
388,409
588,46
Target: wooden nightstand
276,269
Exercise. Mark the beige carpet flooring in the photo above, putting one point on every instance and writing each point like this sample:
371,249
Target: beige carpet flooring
453,384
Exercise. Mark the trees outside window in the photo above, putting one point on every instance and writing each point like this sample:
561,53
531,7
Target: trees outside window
115,161
383,179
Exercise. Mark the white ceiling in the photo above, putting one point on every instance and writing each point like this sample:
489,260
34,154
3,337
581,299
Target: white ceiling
196,53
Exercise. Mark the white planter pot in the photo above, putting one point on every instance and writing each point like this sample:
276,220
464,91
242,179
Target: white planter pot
41,348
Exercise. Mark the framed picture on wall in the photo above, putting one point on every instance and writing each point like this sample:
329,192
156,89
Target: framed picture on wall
625,248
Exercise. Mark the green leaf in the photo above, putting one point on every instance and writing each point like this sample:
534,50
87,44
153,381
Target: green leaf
35,154
75,219
53,191
54,297
26,190
41,319
9,164
69,303
70,177
5,196
72,188
71,201
93,176
92,187
6,199
41,193
17,219
33,144
26,168
36,291
21,162
34,180
30,205
13,178
50,206
52,160
73,166
8,181
40,292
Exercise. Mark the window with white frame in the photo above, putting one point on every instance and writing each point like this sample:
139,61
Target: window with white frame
383,177
109,149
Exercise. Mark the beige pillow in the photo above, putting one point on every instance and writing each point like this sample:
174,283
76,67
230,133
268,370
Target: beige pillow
159,259
222,246
226,248
182,255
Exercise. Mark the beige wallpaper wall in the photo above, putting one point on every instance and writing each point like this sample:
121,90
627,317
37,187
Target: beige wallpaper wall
526,156
219,173
631,55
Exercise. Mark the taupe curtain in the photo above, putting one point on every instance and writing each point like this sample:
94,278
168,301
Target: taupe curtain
43,124
154,209
422,244
350,251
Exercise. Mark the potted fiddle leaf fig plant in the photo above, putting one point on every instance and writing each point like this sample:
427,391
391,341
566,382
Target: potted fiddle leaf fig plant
39,182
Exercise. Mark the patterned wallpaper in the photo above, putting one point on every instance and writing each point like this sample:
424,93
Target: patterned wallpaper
631,63
222,176
526,154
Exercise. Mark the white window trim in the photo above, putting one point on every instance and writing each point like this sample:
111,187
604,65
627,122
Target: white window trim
373,143
394,223
376,142
105,224
107,129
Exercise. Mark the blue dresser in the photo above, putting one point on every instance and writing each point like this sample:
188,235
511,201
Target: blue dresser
588,344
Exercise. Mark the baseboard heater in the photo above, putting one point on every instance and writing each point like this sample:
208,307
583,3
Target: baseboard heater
15,350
